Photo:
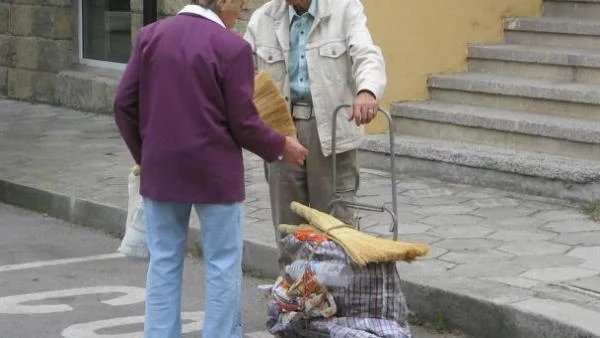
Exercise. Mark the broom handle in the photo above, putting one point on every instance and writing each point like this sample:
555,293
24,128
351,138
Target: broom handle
338,199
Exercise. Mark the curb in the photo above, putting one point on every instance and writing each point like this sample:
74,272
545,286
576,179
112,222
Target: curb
474,315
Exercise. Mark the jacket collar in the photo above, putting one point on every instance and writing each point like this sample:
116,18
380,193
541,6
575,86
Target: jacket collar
203,12
279,10
312,10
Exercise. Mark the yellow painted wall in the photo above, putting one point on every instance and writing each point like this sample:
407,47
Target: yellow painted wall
422,37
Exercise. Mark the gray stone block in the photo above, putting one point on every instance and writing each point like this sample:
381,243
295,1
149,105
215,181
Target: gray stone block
53,22
583,10
43,54
42,201
103,217
7,51
44,2
554,25
137,6
551,39
3,80
87,90
5,9
22,20
19,84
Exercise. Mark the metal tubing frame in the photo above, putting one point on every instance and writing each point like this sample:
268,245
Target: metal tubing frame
337,197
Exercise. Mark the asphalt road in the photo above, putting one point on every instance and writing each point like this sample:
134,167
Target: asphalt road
62,280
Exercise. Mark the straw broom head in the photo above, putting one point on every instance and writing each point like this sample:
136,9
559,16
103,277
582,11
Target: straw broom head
273,109
362,248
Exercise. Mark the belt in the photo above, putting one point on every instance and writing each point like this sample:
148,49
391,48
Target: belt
302,111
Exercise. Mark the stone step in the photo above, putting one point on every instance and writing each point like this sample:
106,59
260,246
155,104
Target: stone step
576,9
87,88
520,94
553,32
551,63
468,163
500,128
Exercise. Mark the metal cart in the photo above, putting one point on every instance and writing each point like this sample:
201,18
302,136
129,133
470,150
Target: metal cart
338,199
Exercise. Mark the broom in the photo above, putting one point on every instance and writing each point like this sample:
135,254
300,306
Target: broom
360,247
273,109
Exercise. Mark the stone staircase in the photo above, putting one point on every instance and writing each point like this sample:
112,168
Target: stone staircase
525,117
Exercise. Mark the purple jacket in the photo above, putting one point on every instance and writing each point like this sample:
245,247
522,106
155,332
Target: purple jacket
184,108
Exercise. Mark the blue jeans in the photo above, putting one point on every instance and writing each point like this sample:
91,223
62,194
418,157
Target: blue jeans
221,231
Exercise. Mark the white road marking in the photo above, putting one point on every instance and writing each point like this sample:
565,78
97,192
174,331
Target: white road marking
13,304
88,330
39,264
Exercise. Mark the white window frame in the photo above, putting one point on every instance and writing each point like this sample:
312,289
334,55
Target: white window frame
92,62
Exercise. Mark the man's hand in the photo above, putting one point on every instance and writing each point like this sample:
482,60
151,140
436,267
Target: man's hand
294,152
364,109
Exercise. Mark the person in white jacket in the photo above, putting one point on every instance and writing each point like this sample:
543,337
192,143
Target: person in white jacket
321,55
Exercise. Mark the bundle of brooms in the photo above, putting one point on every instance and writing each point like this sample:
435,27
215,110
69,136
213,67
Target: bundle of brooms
360,247
273,109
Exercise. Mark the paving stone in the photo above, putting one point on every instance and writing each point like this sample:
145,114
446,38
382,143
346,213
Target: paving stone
501,269
546,261
263,214
495,202
431,201
591,284
591,238
419,238
458,245
461,231
500,212
561,274
428,193
575,225
514,281
476,257
534,248
518,223
424,267
445,210
440,220
519,236
435,252
559,215
591,255
412,228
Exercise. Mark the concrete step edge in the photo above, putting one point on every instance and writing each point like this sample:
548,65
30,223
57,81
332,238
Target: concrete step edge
564,128
553,25
261,258
536,54
550,167
519,87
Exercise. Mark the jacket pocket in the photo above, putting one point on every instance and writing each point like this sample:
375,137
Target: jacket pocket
271,60
332,50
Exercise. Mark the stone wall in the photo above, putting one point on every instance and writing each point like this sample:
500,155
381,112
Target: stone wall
36,42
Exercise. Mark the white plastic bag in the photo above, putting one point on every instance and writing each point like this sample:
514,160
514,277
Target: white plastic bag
134,241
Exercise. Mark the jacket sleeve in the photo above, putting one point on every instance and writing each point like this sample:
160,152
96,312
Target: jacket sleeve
126,104
246,126
368,65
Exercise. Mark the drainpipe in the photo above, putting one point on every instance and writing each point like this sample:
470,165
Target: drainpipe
150,11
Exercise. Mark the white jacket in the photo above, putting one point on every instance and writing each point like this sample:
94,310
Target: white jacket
342,60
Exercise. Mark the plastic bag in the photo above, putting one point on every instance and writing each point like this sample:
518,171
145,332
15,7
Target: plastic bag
134,241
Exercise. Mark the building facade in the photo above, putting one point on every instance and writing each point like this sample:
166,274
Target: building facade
71,52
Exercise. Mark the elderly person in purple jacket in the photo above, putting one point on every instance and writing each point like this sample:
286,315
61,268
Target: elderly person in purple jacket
184,108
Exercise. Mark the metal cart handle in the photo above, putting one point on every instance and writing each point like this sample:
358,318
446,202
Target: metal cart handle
338,199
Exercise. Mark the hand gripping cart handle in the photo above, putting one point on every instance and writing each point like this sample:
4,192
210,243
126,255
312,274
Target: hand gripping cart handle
338,198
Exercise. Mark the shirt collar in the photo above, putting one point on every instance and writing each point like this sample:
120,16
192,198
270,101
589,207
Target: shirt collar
312,10
203,12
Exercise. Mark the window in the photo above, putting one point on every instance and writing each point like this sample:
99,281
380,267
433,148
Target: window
105,32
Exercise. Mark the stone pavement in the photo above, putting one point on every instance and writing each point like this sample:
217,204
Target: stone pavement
501,264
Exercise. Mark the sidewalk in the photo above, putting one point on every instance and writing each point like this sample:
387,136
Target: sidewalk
501,264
